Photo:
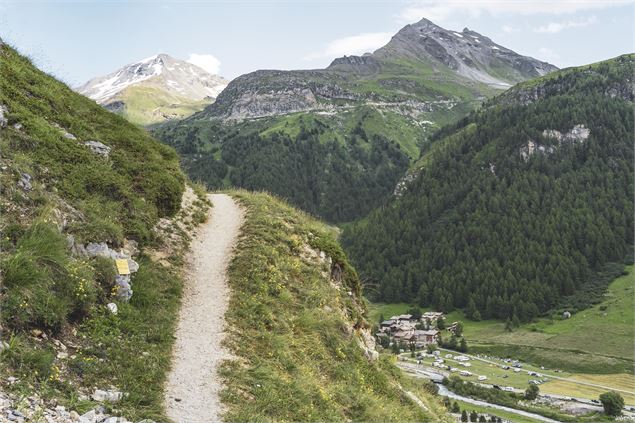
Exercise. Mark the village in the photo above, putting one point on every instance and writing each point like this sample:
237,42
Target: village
414,330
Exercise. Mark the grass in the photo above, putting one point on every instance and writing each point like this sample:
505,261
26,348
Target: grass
623,382
376,310
506,415
295,329
146,105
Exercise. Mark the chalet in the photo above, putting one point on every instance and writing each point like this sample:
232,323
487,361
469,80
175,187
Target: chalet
427,336
403,336
403,318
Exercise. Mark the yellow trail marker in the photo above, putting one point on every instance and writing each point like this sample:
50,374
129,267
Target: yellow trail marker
122,266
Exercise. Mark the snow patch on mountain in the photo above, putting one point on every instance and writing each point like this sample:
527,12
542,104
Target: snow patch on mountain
158,71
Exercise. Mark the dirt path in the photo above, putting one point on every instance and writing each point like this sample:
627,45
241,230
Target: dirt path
193,385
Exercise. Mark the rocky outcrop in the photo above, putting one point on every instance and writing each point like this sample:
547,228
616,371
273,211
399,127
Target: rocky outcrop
98,148
578,134
123,282
21,409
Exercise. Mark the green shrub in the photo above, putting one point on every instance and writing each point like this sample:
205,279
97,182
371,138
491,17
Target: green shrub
44,287
612,403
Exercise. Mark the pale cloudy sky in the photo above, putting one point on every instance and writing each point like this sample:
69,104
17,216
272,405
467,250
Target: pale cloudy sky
78,39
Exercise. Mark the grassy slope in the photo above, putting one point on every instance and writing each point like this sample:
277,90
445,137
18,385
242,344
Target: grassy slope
596,340
150,105
294,333
405,131
95,199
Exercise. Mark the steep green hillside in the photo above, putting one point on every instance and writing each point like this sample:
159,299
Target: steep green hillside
146,105
72,173
519,207
298,332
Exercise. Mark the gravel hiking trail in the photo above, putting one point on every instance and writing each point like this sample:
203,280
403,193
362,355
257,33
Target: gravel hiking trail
193,385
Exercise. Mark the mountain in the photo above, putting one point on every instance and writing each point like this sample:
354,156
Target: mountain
336,141
423,68
155,89
519,208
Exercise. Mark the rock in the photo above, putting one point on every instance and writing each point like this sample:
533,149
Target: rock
130,247
124,290
62,355
25,182
89,417
68,135
98,148
3,115
112,307
74,415
97,249
17,126
108,396
133,266
36,332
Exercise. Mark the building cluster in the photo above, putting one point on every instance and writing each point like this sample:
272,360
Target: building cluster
409,330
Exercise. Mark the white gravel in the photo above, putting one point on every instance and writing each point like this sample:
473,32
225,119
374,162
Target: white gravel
193,386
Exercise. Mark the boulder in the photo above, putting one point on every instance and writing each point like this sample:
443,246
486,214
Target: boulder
100,249
98,148
112,307
106,396
124,289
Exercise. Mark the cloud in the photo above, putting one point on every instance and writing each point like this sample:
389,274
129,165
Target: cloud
555,27
508,29
438,11
352,45
206,61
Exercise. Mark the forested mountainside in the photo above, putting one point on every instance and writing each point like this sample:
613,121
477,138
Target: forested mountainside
336,175
301,345
336,141
518,206
80,187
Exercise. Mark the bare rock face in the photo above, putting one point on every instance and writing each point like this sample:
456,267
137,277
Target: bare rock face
578,134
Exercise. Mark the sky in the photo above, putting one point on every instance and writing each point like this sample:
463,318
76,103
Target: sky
81,39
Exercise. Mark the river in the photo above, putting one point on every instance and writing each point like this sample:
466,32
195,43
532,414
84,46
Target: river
444,391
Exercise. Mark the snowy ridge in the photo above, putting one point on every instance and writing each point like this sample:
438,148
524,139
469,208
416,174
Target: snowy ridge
174,76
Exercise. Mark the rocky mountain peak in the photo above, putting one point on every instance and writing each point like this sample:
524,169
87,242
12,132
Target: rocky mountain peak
160,71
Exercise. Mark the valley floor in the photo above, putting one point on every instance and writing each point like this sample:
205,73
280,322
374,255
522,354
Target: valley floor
592,350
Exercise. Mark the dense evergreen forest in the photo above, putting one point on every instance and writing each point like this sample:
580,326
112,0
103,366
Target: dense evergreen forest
499,232
337,179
